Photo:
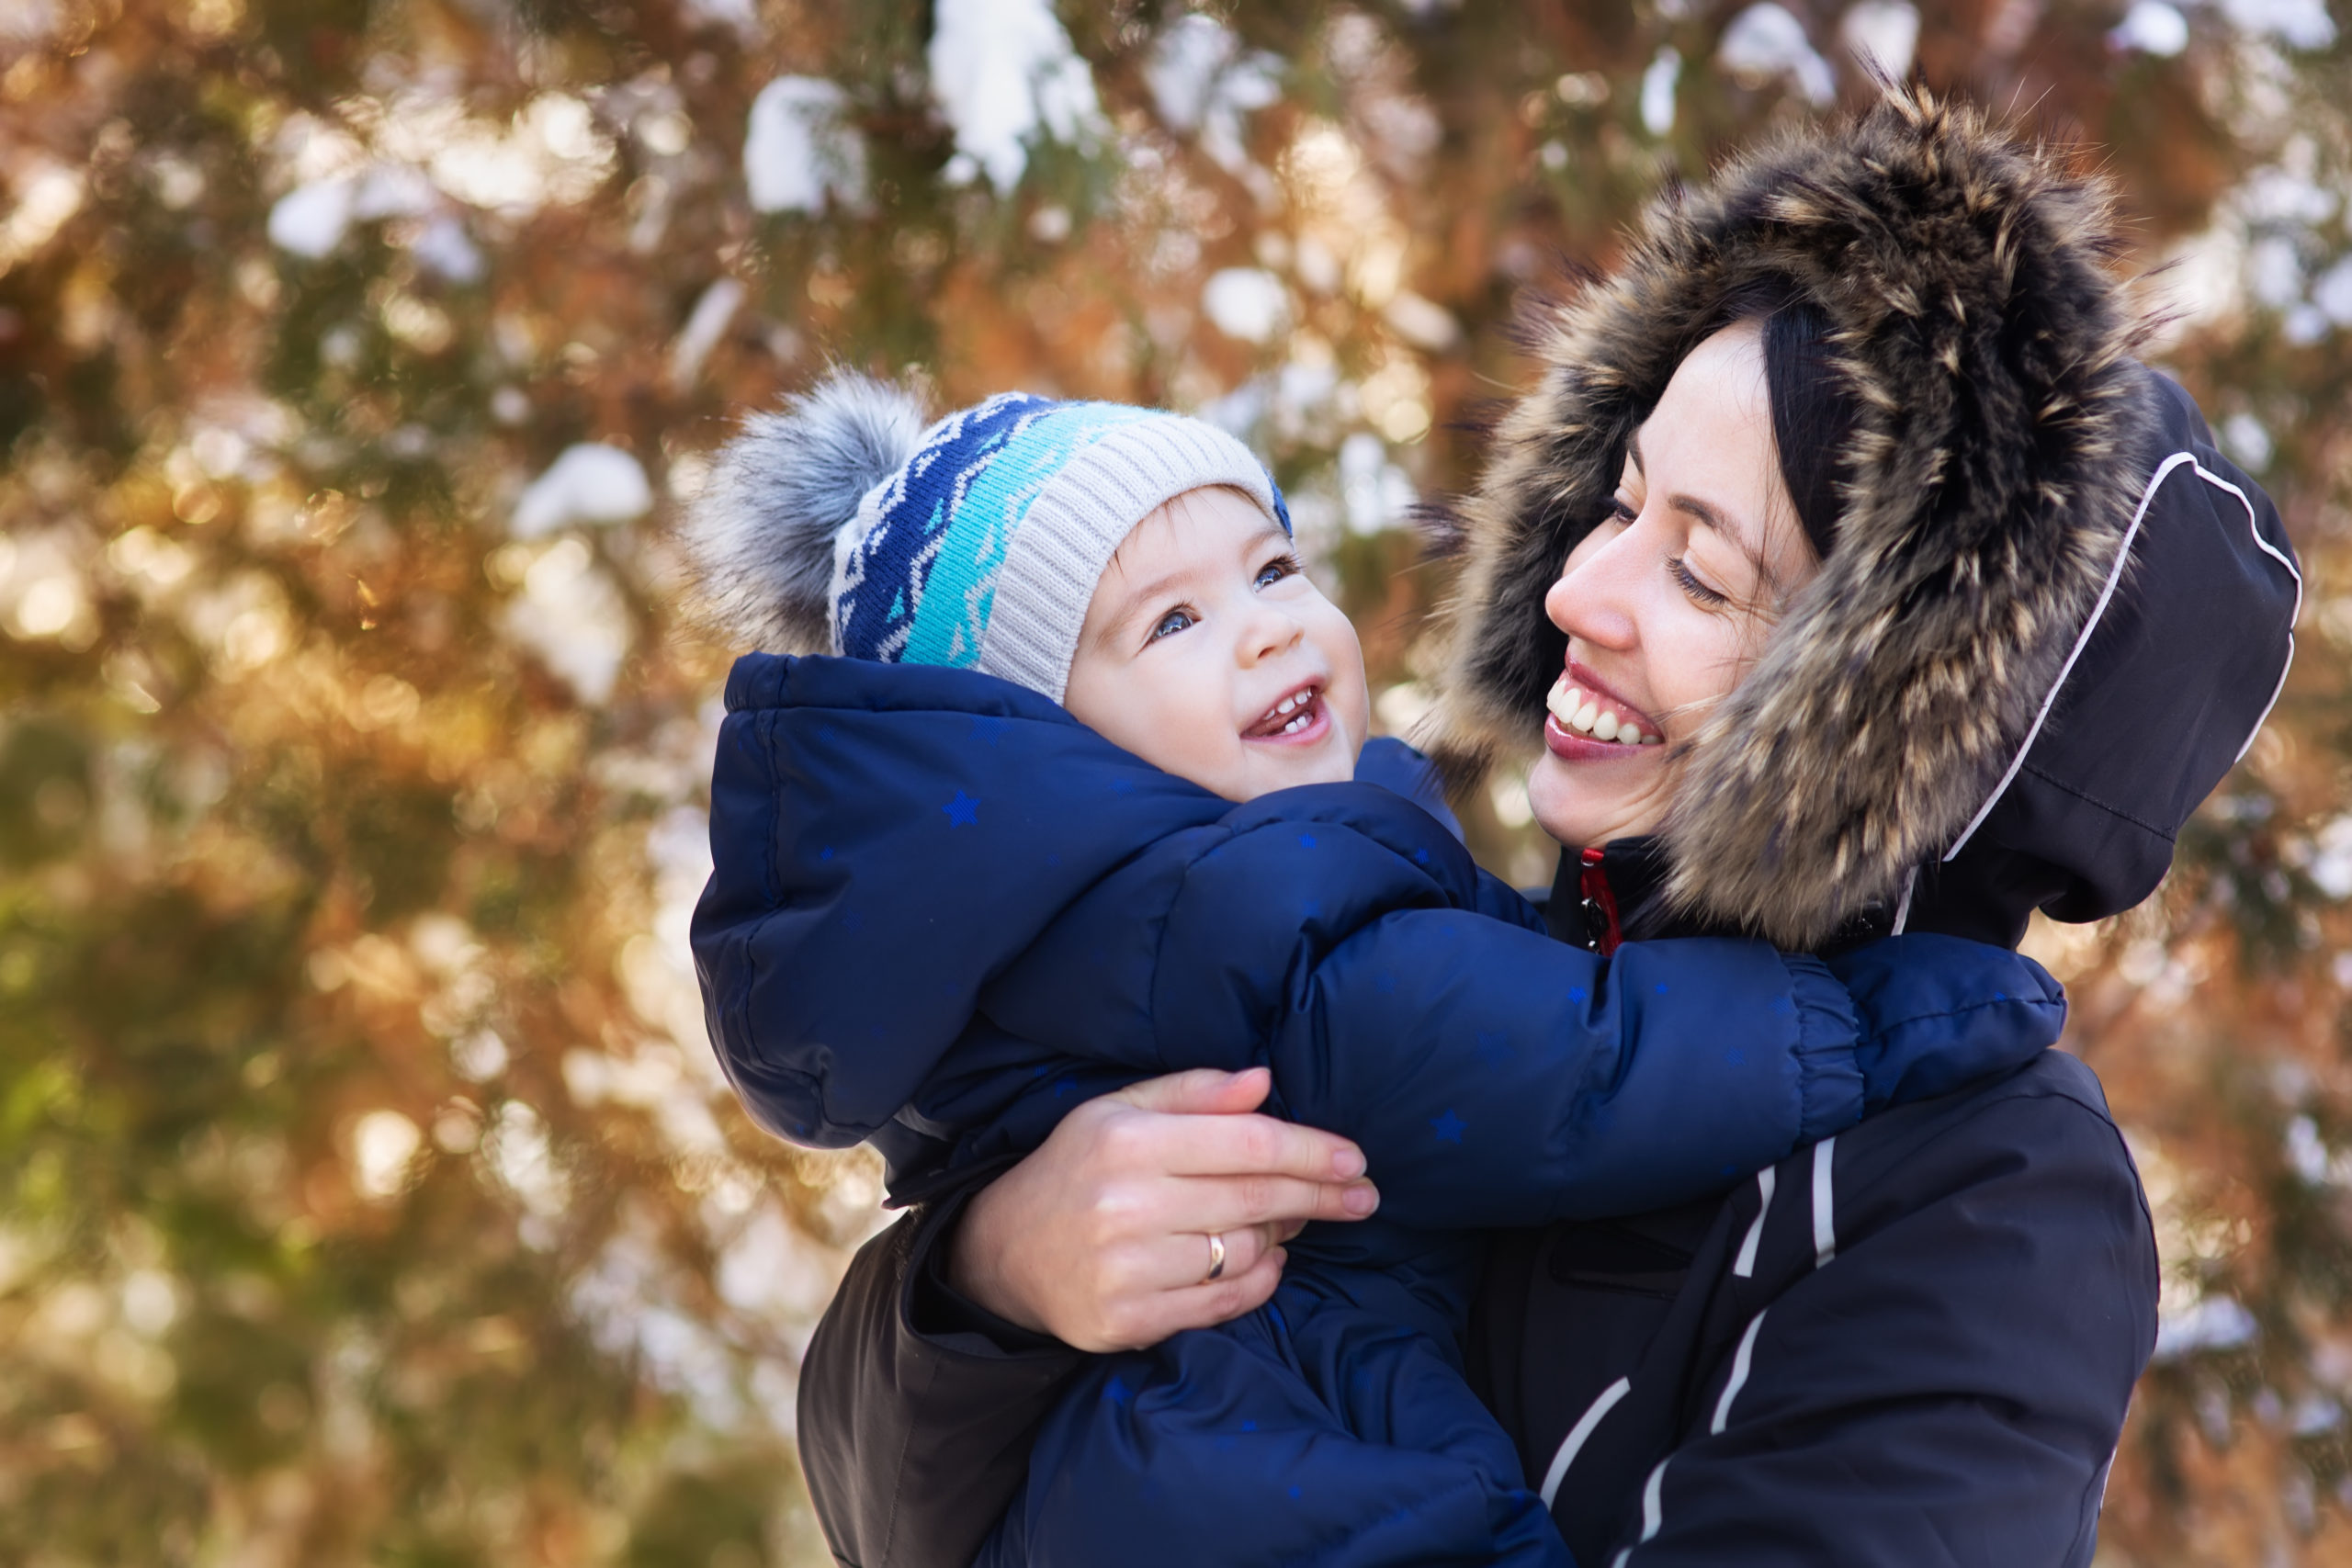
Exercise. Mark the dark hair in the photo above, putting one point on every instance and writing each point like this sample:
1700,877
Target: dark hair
1814,411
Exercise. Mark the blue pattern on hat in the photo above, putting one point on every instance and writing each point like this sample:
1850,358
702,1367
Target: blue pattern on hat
919,586
992,497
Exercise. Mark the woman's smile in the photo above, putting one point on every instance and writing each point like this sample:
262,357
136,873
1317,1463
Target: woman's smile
1585,714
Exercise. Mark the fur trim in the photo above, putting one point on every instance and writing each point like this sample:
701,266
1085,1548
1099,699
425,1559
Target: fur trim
1965,276
760,537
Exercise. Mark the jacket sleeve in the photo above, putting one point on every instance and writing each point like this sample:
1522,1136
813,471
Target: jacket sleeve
1496,1077
1973,1423
918,1409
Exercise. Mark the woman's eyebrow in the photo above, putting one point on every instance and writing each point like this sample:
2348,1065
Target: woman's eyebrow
1709,516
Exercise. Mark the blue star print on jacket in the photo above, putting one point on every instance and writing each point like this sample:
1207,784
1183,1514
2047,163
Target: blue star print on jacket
1016,916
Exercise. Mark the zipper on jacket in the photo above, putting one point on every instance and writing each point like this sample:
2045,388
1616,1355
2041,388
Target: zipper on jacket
1599,904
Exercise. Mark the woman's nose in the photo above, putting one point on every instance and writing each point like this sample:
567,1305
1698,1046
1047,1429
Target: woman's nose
1593,599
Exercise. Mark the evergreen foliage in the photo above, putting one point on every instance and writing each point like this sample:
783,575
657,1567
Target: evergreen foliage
366,1190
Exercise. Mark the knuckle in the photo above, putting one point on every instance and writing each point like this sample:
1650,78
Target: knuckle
1258,1197
1122,1139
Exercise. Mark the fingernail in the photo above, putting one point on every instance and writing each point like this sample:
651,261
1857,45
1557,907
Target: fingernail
1348,1164
1361,1199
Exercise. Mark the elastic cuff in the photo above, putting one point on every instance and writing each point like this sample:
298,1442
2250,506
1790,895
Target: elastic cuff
1829,1081
937,1314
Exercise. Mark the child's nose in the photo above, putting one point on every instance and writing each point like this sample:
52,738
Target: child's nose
1270,631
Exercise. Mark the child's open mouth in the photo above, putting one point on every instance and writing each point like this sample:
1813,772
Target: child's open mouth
1299,716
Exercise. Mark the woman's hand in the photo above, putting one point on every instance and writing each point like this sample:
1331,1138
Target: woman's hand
1100,1239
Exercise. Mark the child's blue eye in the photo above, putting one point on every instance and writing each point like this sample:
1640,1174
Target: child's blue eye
1275,570
1169,624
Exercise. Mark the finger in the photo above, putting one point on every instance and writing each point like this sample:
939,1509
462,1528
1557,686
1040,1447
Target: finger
1184,1258
1221,1204
1244,1146
1204,1091
1205,1305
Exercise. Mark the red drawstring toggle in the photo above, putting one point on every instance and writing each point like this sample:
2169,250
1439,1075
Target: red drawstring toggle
1599,900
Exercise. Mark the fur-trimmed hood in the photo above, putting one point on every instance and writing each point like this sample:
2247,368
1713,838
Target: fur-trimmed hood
2000,450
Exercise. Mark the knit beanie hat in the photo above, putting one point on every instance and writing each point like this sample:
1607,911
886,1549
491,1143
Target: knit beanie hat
843,523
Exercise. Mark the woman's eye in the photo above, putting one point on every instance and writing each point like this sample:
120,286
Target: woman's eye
1692,585
1276,570
1622,511
1170,625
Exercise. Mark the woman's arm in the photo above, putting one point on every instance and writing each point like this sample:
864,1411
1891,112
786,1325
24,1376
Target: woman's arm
920,1398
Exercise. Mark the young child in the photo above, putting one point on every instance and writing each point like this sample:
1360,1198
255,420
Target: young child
1075,810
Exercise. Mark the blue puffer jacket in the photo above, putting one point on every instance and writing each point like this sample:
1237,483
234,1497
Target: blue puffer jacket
944,913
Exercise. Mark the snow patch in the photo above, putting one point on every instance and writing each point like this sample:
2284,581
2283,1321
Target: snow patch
2299,23
1765,41
2152,26
1245,302
1202,81
2333,293
2242,435
2330,867
712,314
1376,492
1005,73
444,248
572,615
589,483
800,148
1885,33
2214,1322
1659,80
312,219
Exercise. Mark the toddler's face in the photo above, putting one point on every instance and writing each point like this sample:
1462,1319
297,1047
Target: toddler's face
1208,653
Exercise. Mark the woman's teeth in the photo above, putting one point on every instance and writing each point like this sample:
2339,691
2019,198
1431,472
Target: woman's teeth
1585,714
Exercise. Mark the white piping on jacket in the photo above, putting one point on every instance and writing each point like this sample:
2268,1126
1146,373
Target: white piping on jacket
2098,609
2123,555
2254,526
1824,1212
1652,1514
1578,1433
1825,1247
1738,1379
1745,1264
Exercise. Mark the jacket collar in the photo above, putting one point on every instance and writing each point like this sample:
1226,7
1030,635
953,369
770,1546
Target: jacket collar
1603,897
1600,896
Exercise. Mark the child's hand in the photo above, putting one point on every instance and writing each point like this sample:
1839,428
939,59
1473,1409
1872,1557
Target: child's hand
1100,1239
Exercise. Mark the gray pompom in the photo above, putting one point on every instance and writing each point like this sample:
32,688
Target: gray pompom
760,537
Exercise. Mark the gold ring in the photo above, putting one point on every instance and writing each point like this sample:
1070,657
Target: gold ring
1216,1258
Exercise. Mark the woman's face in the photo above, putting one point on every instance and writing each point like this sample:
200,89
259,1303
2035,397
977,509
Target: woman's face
1667,603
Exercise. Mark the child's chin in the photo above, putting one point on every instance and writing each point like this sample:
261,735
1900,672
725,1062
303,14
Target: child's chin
1327,763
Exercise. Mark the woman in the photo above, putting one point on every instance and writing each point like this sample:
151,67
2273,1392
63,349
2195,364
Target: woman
1957,617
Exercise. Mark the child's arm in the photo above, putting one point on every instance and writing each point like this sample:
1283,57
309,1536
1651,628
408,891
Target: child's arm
1493,1075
